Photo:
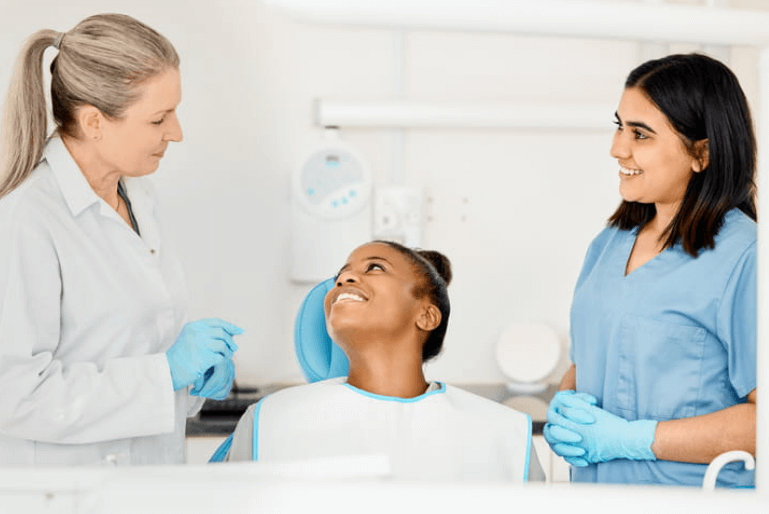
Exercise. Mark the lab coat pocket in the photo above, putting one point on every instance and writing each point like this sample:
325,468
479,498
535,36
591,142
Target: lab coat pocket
660,368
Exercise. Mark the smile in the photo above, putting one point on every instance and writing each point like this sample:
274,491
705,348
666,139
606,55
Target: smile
349,297
628,171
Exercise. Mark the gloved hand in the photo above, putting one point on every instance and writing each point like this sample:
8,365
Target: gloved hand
561,440
200,345
216,382
604,436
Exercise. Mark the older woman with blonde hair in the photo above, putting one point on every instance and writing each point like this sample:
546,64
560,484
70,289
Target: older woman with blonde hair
96,362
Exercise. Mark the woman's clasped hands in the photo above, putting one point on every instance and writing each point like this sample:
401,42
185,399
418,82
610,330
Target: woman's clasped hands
583,433
202,356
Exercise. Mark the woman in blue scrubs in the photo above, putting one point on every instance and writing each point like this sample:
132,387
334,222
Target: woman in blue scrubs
663,320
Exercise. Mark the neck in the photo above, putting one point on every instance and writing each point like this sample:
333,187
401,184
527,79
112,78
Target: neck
663,218
101,179
387,372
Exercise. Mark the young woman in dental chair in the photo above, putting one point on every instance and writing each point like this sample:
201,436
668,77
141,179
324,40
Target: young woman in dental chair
388,309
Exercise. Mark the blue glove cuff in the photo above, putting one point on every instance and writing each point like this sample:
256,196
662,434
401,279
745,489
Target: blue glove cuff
643,430
176,380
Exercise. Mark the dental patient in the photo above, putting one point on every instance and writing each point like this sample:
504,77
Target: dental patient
388,311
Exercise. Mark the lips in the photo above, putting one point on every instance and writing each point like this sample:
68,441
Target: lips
348,294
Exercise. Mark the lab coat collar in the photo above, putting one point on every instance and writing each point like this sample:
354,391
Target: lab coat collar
141,192
76,190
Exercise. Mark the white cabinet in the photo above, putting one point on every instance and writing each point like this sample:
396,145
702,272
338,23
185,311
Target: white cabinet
200,448
556,469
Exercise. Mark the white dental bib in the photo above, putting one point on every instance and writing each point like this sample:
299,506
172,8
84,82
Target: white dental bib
444,434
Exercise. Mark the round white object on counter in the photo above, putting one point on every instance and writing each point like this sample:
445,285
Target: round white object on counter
528,352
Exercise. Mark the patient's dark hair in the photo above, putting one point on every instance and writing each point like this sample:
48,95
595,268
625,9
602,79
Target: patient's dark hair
435,270
703,101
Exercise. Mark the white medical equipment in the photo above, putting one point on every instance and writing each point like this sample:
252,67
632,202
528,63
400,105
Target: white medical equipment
399,214
330,209
711,473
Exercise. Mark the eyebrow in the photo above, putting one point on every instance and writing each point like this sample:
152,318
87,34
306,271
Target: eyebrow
372,258
166,111
637,124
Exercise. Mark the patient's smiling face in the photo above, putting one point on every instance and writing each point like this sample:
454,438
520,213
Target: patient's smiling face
373,296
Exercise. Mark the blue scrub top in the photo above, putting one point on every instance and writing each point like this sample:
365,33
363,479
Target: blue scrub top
674,339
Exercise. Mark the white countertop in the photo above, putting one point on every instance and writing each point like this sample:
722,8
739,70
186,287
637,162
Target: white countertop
256,487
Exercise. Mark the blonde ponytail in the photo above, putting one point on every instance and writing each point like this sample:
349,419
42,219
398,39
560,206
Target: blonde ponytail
25,121
101,62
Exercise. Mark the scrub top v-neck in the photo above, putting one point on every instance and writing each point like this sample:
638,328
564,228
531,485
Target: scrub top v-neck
675,338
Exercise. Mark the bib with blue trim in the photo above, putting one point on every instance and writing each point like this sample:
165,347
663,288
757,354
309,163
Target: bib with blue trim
446,434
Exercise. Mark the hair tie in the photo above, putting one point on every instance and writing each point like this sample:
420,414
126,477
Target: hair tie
57,43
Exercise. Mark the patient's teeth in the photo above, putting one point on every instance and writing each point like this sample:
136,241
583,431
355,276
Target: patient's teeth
349,296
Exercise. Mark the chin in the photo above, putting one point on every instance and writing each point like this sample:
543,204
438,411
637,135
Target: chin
628,197
149,170
349,329
340,327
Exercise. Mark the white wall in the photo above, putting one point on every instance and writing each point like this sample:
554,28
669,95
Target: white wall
531,200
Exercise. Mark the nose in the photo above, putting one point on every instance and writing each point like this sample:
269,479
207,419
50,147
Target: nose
620,149
346,277
174,132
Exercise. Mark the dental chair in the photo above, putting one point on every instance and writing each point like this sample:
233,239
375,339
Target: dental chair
319,357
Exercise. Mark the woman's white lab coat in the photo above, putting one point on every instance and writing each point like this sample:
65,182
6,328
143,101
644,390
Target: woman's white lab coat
87,310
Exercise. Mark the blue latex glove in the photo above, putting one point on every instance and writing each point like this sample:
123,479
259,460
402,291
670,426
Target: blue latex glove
216,382
561,440
200,345
563,443
604,436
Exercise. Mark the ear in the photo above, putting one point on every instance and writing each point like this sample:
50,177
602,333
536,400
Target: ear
701,152
91,121
429,318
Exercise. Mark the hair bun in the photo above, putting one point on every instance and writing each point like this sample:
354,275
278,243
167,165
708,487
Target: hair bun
440,262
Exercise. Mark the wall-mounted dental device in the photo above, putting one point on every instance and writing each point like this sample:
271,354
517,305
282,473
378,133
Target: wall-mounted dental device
330,209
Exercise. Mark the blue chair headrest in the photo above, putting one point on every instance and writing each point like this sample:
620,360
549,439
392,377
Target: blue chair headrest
319,357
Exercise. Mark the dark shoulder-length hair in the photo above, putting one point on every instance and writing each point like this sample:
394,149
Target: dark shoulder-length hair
703,100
